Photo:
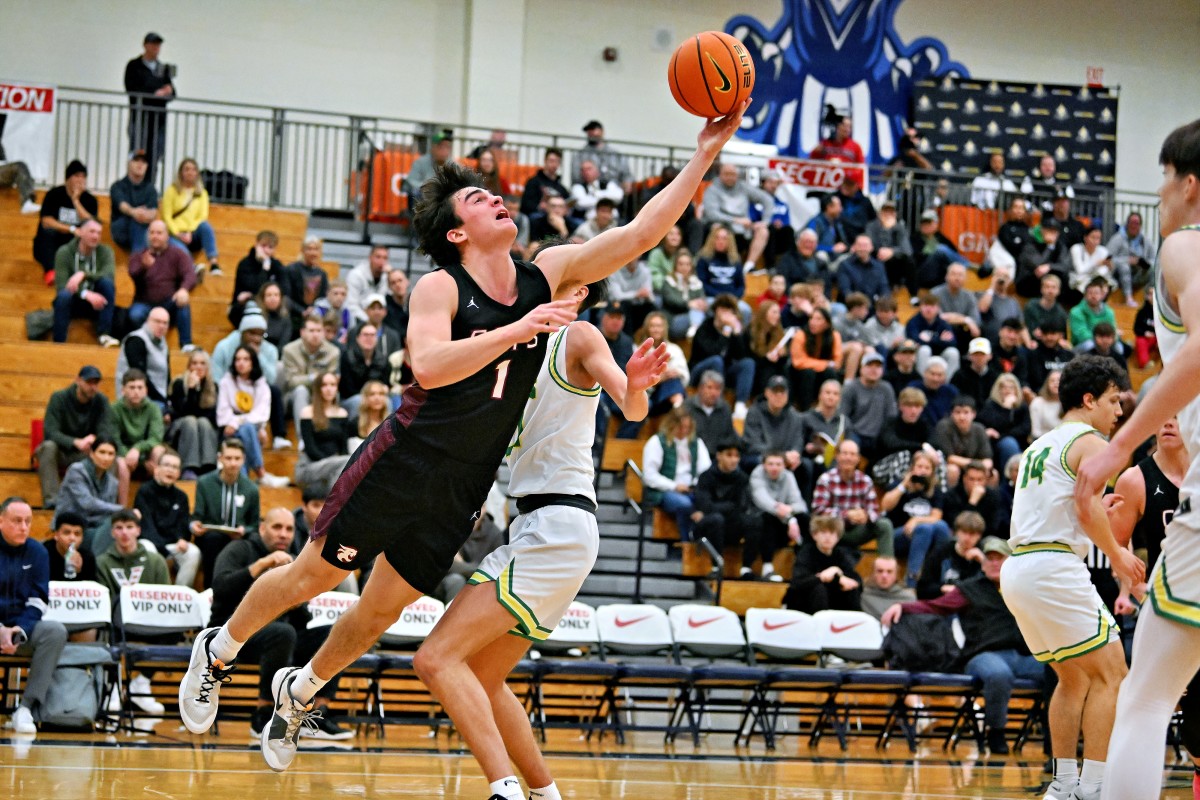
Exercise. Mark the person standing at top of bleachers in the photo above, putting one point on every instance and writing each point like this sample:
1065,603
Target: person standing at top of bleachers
64,209
184,208
74,418
163,277
84,270
149,83
134,204
367,278
24,597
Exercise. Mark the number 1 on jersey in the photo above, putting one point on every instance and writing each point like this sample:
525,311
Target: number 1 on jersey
501,377
1035,466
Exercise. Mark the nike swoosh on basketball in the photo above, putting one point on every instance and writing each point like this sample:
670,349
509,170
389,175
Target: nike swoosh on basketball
725,84
774,626
842,628
694,624
625,623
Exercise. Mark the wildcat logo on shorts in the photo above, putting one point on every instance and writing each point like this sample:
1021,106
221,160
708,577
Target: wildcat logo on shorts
346,553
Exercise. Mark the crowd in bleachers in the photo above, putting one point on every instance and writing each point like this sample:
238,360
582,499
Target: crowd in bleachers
849,429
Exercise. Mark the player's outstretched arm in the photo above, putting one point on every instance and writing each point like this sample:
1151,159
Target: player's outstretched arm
1093,517
627,389
1126,504
611,250
438,360
1176,385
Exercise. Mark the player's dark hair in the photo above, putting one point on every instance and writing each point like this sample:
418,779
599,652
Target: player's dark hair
126,515
434,215
1089,374
597,291
1181,149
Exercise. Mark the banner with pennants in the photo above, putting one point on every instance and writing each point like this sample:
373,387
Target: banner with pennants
964,120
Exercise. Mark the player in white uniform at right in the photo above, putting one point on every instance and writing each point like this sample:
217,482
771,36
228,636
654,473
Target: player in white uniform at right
521,590
1046,584
1166,647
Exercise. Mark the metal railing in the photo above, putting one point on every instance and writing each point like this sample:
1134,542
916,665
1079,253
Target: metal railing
304,159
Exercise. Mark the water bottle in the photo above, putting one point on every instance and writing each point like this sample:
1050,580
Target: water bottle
69,567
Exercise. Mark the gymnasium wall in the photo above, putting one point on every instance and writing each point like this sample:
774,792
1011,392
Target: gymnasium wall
536,64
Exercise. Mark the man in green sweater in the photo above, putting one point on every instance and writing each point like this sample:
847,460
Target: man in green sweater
74,417
1091,311
84,271
139,424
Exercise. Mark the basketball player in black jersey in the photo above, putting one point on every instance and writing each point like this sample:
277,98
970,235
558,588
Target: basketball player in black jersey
476,337
1141,505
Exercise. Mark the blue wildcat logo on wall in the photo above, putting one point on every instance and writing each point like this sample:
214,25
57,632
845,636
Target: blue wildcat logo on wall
845,53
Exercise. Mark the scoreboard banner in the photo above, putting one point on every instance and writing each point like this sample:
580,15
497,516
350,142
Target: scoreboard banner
965,120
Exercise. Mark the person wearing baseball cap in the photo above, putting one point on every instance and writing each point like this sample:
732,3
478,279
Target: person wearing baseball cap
134,204
994,649
75,416
148,81
978,376
612,163
869,402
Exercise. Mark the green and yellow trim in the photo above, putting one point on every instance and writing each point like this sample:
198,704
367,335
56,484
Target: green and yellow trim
1104,630
527,626
1167,605
561,379
1062,459
1042,547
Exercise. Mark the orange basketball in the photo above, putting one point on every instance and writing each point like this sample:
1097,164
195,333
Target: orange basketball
710,74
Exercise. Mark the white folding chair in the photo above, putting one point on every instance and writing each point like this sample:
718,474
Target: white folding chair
852,635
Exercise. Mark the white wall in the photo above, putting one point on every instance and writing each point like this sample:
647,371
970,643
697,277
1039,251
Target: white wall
536,64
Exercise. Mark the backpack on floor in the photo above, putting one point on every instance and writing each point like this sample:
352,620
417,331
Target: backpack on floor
76,688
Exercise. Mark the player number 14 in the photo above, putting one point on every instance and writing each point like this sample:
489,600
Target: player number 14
1035,465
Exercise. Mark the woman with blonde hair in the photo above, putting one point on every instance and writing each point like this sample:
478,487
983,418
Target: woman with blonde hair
683,296
1045,411
670,390
718,264
1006,419
184,208
661,260
193,407
672,461
325,431
374,409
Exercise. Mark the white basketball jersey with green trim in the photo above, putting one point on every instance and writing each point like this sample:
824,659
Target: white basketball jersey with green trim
1171,334
551,452
1044,501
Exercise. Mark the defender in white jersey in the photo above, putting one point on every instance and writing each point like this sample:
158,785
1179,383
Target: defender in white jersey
1046,583
1166,647
521,590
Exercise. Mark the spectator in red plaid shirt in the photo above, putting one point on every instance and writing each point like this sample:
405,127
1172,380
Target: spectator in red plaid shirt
847,493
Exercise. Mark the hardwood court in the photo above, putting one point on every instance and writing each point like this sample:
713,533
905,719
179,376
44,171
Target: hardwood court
168,763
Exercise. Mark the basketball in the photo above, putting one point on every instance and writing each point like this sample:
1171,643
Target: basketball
710,74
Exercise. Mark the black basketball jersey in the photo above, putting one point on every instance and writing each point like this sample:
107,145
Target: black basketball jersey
1162,498
473,420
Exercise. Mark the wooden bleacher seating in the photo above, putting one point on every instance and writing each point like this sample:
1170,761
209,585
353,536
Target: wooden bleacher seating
31,371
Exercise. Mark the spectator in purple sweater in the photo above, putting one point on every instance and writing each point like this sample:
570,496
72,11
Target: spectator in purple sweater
163,276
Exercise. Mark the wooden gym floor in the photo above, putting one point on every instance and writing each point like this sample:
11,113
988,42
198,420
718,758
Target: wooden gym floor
168,763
